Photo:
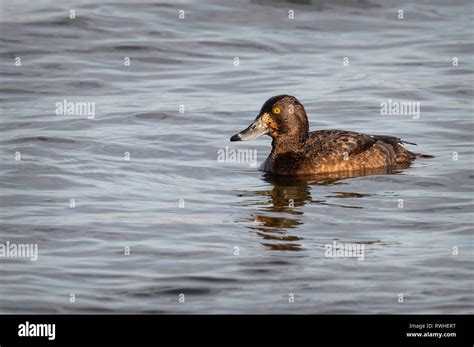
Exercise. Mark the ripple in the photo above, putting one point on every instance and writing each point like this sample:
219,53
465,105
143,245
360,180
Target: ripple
230,238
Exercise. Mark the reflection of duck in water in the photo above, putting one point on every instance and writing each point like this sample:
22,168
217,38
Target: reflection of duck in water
287,194
282,212
296,151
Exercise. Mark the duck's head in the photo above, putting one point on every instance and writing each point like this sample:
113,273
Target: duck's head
281,117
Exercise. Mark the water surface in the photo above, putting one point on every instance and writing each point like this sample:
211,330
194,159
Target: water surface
242,242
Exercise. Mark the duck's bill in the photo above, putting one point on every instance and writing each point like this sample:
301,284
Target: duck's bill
256,129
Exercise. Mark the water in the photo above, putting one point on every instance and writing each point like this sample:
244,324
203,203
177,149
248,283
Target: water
191,250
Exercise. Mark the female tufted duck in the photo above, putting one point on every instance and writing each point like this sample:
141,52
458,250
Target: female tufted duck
296,151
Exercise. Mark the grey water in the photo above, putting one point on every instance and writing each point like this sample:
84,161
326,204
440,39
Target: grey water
130,208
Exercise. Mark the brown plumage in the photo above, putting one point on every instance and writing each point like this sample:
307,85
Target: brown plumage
296,151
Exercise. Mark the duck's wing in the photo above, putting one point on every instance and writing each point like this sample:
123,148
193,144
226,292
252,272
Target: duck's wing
391,140
332,146
340,143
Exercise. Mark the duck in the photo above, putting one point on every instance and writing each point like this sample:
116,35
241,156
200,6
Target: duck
297,152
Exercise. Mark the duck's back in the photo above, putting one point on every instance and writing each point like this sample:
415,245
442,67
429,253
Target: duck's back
329,151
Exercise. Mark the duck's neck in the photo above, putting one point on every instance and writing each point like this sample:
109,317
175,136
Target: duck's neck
283,144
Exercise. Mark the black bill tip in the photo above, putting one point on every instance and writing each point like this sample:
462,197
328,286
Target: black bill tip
236,137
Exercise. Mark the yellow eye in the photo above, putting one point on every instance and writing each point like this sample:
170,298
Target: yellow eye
276,110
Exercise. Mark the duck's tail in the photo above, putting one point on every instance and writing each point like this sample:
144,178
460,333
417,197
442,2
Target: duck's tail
417,155
423,156
395,141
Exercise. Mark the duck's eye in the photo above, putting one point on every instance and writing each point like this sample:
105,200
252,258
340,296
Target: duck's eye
276,110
